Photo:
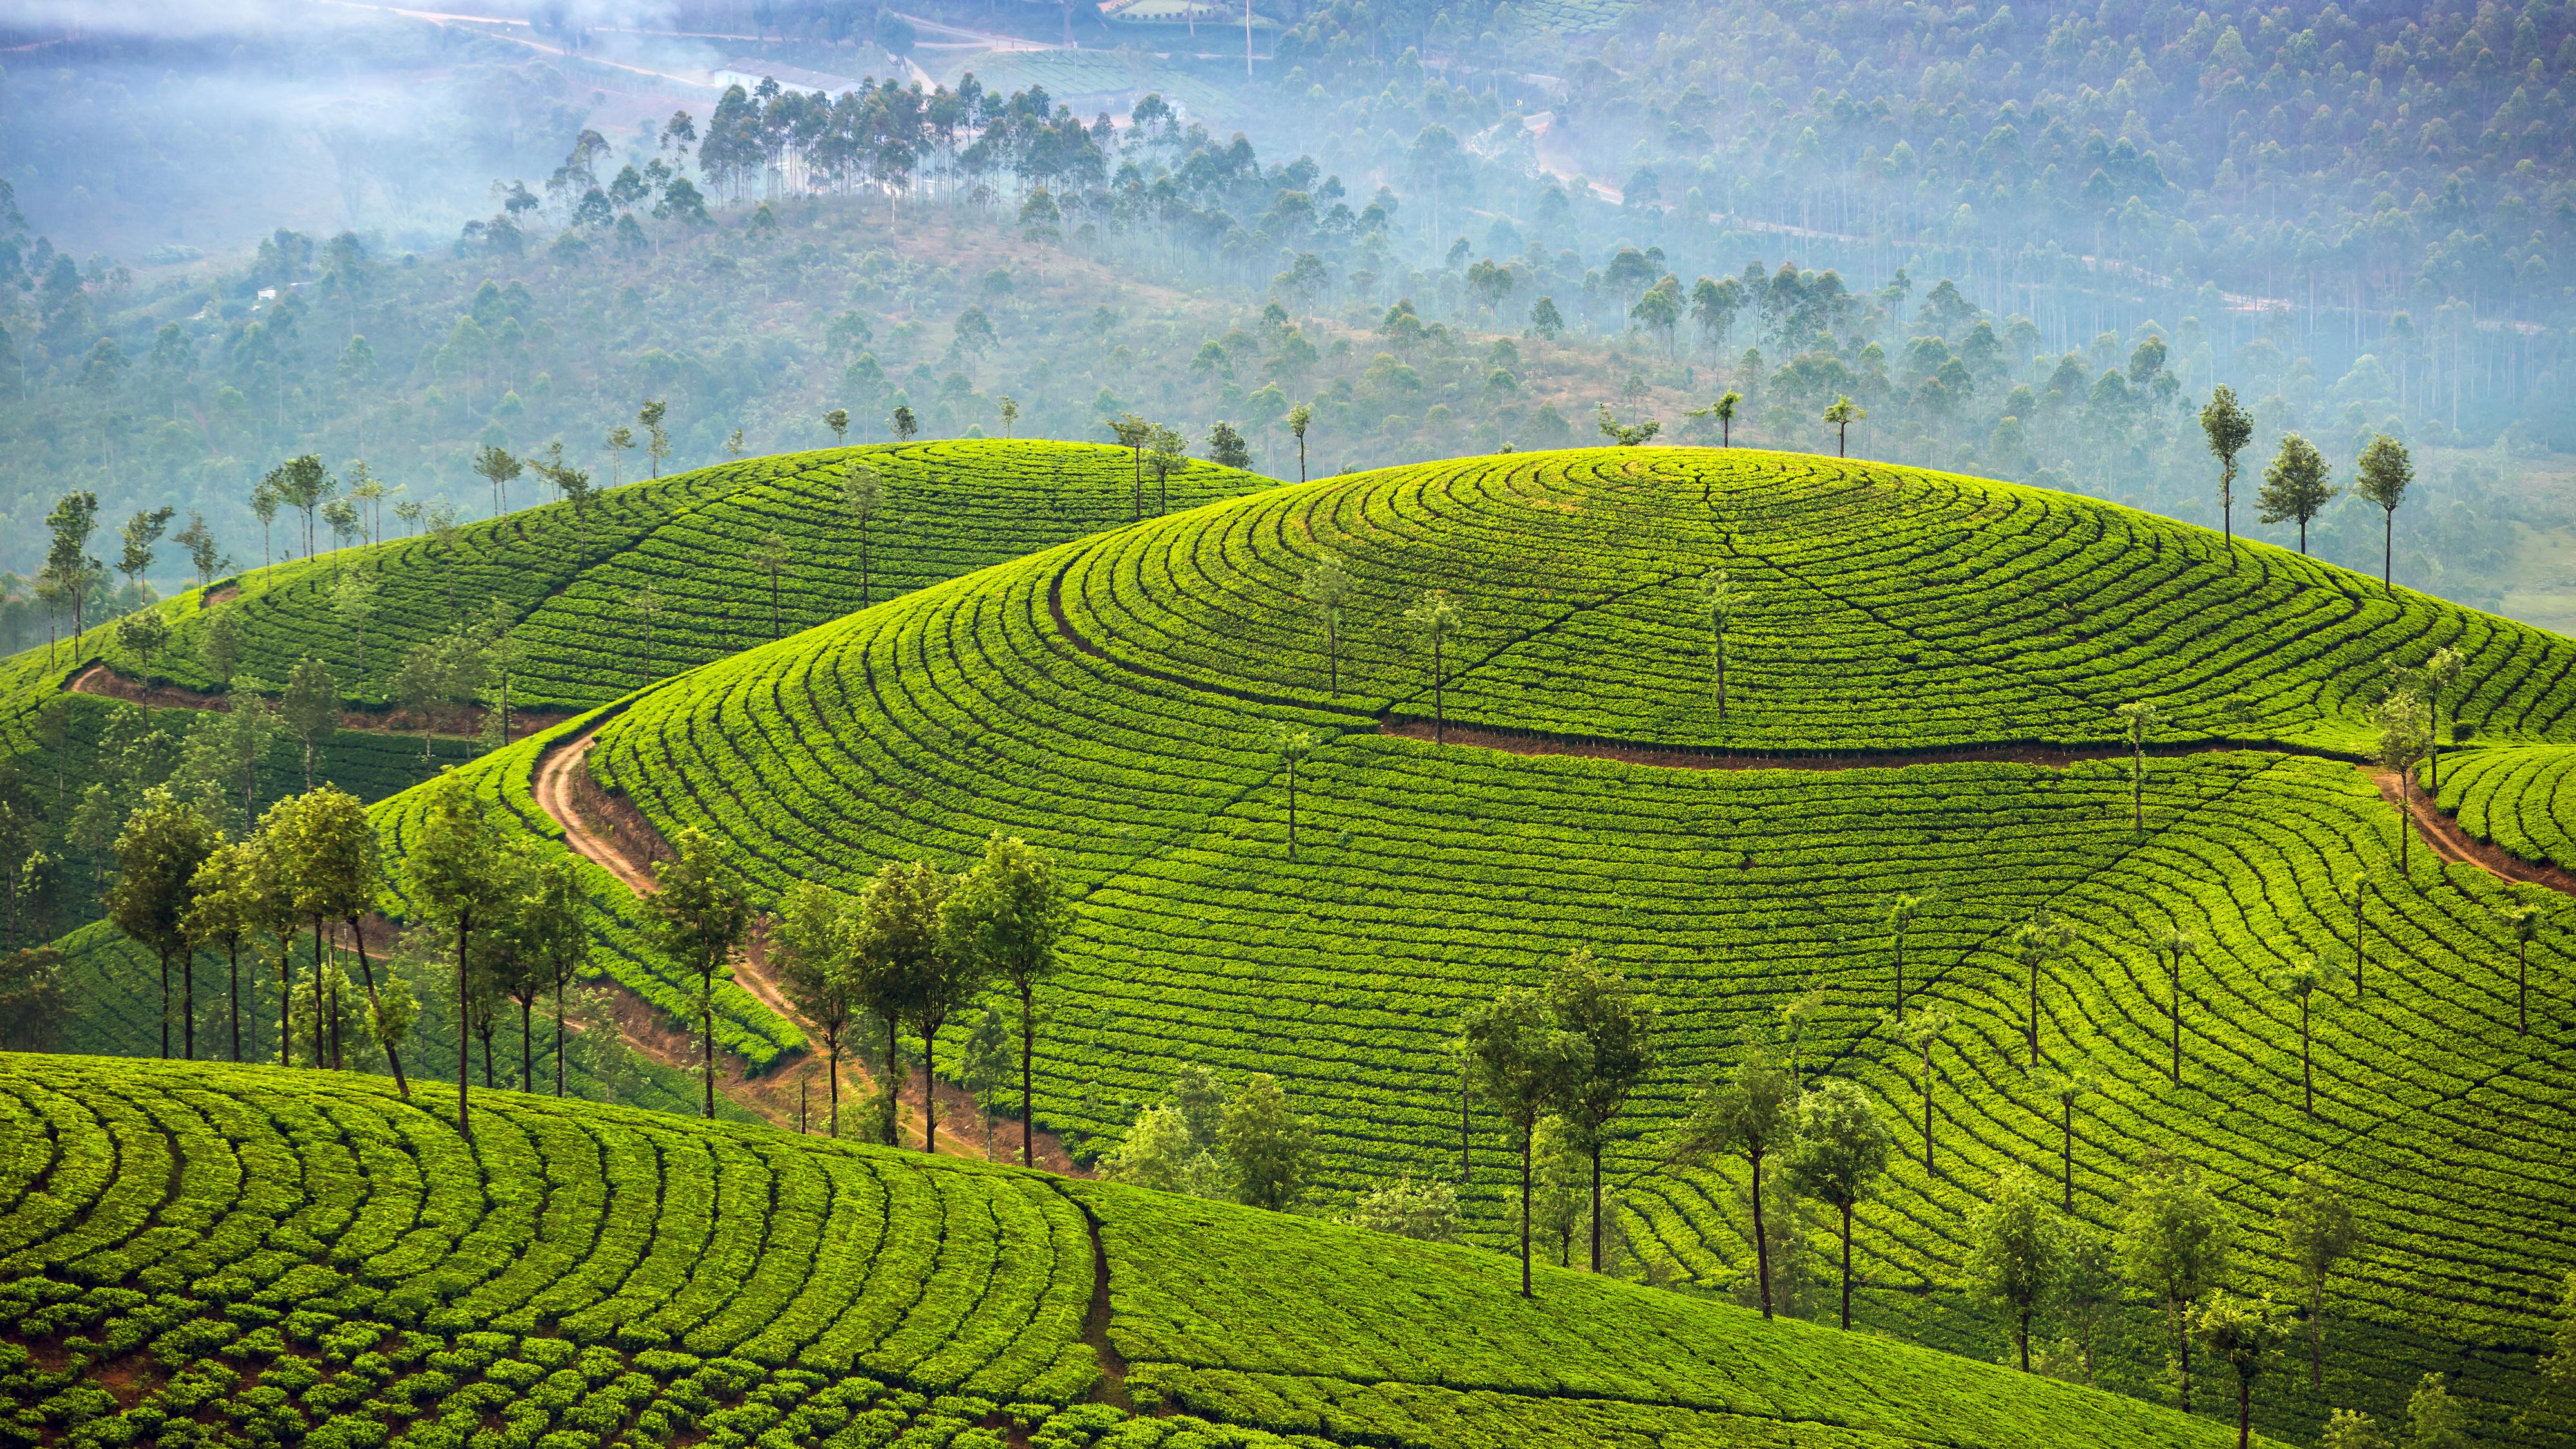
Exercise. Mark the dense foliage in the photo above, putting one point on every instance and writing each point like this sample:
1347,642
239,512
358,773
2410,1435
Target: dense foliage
270,1257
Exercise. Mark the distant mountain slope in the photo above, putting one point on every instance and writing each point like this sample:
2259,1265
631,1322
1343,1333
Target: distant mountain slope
283,1255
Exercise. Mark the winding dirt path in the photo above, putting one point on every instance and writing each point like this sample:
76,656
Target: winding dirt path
102,680
618,838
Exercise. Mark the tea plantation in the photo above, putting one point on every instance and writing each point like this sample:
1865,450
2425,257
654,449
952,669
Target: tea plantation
201,1254
1113,702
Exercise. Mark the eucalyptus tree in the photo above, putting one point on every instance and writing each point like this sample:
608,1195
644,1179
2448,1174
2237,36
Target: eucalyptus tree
2037,944
1754,1112
813,946
1134,432
1010,913
1328,590
2523,921
863,497
1841,1150
221,911
838,420
1718,599
2355,894
158,856
1617,1027
901,935
699,912
1840,415
1434,617
2175,1243
2381,475
771,556
2246,1335
2068,1085
2138,719
2436,675
2228,427
2405,737
553,932
1901,911
1522,1059
330,864
1167,452
2017,1250
1292,747
1926,1030
657,438
2300,981
455,866
2295,486
2173,944
1723,410
498,466
2315,1226
1300,418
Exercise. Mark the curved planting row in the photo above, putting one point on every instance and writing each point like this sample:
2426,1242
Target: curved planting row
1873,607
2520,798
297,1255
570,586
229,1255
1131,740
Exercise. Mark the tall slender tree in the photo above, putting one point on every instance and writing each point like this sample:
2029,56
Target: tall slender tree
770,556
1435,618
1522,1060
2246,1335
1010,913
1618,1029
2039,943
2017,1251
900,935
1328,591
332,868
2068,1085
2316,1230
814,949
2522,920
2175,1242
2228,427
2173,944
2381,475
2300,981
1754,1112
2295,487
2405,737
2138,719
700,913
1292,747
1840,416
454,868
158,855
1901,911
1842,1148
1926,1030
1718,599
862,499
1300,418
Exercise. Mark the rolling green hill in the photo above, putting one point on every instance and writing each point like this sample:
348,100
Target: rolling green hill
196,1253
1110,700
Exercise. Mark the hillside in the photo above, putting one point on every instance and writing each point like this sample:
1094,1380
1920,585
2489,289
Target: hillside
275,1256
1109,700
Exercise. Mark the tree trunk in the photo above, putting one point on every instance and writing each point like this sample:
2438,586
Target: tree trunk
232,954
285,1012
2177,1018
2317,1343
464,1061
1596,1203
1028,1046
2021,1338
1900,978
320,1013
929,1088
165,1004
2068,1151
707,1019
2388,552
2034,1016
1466,1167
2307,1078
527,1045
1292,809
2184,1339
2522,992
1761,1239
1439,710
367,971
1847,1210
188,1004
1927,1108
2244,1412
1529,1135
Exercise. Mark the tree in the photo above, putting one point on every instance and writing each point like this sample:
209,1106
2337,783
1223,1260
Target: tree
947,980
2317,1233
2523,921
900,932
455,870
1625,435
2228,428
158,855
1718,599
205,554
2300,982
1927,1029
137,538
223,644
1011,914
2435,1420
862,499
68,567
2346,1429
2088,1299
1901,911
1426,1212
32,1000
142,634
222,909
2405,737
574,484
1166,453
1435,618
699,914
1269,1146
1328,589
548,928
903,424
1724,411
1545,321
497,466
2174,943
1226,448
311,706
2140,719
1754,1112
1617,1030
2381,475
2037,944
1300,418
2017,1252
2068,1087
2245,1334
2434,679
1842,414
1522,1060
771,556
1841,1150
2175,1243
263,506
814,949
657,439
838,420
2295,486
1292,747
329,865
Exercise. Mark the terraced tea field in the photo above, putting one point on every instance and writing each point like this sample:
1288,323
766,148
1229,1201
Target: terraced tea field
196,1253
1110,700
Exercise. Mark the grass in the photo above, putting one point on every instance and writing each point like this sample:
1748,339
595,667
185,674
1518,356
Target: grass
200,1253
1888,610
